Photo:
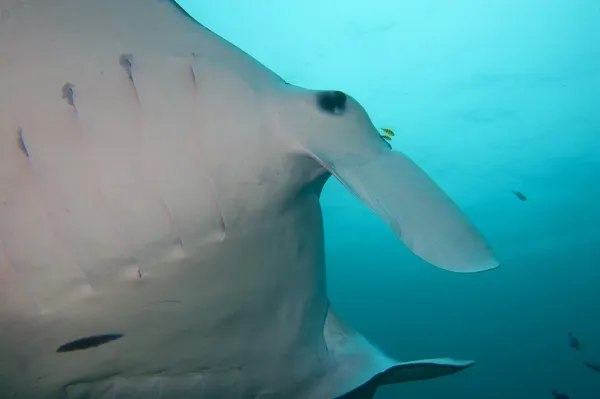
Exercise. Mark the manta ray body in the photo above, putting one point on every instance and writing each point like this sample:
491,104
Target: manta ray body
160,227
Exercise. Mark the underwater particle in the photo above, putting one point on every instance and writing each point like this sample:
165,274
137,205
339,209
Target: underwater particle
88,342
574,342
593,366
520,195
558,395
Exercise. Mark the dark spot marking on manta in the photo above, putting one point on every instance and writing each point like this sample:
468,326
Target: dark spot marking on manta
333,102
68,93
21,142
193,76
178,242
125,62
88,342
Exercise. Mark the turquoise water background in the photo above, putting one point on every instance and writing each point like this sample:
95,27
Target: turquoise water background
488,97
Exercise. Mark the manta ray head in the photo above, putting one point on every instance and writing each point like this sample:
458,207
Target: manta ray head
328,125
333,129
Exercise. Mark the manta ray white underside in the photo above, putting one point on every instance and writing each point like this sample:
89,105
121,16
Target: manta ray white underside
160,227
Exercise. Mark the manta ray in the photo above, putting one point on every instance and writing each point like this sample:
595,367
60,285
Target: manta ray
161,234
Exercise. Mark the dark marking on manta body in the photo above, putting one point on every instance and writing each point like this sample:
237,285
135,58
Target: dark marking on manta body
88,342
125,62
21,142
193,76
332,102
68,94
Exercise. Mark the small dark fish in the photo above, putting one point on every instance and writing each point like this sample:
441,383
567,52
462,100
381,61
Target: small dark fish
520,195
593,366
574,342
558,395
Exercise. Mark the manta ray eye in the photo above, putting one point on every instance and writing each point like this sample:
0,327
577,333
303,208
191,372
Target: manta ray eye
333,102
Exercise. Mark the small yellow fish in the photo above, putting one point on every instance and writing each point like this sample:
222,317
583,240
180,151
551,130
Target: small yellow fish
388,138
388,132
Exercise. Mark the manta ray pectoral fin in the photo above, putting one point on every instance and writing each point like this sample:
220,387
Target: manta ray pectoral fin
421,370
406,372
337,131
359,367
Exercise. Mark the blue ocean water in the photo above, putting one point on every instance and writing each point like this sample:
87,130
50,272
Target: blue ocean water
489,98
